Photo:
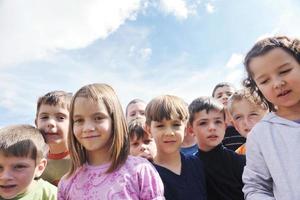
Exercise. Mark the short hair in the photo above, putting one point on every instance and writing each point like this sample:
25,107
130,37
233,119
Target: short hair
136,128
119,149
166,107
23,141
289,45
54,98
134,101
219,85
244,94
204,103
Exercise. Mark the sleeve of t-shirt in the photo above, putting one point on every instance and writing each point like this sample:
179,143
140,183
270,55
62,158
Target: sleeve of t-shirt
256,177
150,183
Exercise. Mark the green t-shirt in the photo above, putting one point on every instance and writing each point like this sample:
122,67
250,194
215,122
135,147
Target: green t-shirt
42,190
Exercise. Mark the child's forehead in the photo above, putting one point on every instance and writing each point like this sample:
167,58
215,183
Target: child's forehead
172,119
49,107
11,159
209,113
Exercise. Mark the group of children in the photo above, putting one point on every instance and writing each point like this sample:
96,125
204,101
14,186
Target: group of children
166,149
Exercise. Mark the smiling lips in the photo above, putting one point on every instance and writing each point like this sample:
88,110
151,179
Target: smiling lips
283,93
90,136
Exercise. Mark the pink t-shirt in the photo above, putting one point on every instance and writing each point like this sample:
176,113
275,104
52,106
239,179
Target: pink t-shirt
136,179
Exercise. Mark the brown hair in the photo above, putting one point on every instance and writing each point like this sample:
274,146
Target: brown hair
119,139
220,85
54,98
204,103
166,107
23,141
136,128
291,46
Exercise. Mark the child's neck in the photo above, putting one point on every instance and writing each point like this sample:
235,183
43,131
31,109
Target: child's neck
96,158
169,161
188,142
289,113
57,148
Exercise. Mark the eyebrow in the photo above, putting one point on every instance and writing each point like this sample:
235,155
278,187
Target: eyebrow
278,68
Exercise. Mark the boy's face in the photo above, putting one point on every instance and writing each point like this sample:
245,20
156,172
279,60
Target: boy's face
17,174
222,94
144,147
168,135
245,115
54,123
209,129
276,74
136,110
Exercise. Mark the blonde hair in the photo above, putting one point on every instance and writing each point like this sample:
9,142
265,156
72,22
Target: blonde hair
245,94
23,141
119,139
166,107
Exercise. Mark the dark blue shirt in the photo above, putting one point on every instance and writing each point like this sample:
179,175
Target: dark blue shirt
190,184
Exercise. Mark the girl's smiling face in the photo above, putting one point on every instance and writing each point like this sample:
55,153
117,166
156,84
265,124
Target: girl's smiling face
276,74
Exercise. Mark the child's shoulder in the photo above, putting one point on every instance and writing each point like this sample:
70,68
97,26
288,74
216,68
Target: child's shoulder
136,161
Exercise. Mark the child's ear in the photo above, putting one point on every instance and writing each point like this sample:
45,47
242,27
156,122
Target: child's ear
147,129
189,129
40,167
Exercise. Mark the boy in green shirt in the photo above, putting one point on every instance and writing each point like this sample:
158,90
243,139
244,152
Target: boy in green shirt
22,160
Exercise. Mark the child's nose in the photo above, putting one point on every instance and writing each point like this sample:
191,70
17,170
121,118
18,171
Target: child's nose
212,126
5,175
88,126
278,83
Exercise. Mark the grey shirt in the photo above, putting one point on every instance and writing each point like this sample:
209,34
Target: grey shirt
272,168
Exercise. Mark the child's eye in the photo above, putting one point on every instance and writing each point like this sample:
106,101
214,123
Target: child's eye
218,121
19,167
147,141
285,71
44,117
202,123
264,81
98,118
159,126
135,144
77,121
237,117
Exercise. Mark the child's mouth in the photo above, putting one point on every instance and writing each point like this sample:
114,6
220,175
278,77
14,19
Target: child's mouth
284,93
7,186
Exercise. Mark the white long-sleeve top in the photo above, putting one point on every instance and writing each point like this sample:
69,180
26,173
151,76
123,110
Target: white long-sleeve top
272,168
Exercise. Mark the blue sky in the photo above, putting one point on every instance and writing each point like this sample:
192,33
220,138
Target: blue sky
143,48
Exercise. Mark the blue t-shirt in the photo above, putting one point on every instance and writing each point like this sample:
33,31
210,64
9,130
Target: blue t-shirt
190,184
189,150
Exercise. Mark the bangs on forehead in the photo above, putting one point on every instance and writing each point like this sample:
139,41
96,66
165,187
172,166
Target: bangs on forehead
166,107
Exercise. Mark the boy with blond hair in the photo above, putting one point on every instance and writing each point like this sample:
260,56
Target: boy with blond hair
22,160
183,178
223,168
245,110
52,118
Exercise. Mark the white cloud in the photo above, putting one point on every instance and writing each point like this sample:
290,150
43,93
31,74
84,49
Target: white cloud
177,7
35,29
234,60
210,8
146,53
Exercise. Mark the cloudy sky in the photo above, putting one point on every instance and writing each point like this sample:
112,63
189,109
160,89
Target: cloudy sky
143,48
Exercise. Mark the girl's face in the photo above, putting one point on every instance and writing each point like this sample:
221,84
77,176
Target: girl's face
92,127
276,74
